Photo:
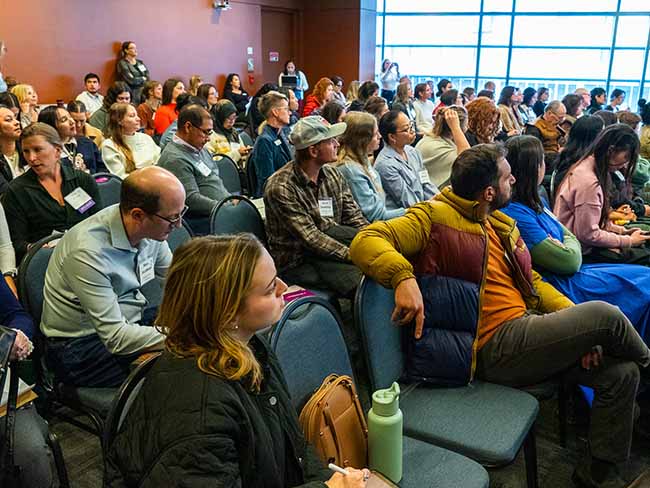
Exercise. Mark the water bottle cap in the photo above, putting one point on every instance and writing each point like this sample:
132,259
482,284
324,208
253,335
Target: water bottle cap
386,402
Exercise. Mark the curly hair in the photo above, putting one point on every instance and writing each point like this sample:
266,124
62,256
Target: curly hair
321,87
483,119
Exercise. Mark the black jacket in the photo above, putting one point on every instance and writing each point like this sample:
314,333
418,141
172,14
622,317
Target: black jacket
187,428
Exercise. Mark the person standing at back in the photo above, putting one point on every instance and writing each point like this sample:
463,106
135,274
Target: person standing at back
132,70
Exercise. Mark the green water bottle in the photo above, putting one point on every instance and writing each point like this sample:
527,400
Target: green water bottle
385,433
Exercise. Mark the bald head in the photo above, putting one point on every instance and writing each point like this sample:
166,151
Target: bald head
149,189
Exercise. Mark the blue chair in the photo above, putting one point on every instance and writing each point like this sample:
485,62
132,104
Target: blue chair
236,214
483,421
309,345
229,174
246,138
179,236
94,403
109,186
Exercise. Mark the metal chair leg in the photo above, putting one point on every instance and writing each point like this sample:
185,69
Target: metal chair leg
530,455
59,462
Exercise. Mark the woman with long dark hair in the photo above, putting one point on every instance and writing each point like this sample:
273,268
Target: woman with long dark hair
118,92
508,104
234,91
132,70
151,101
167,113
301,80
526,111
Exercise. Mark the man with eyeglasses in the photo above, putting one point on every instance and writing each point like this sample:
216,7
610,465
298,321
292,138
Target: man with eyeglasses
188,159
94,307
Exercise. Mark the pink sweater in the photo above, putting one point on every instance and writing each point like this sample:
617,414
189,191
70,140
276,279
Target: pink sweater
578,204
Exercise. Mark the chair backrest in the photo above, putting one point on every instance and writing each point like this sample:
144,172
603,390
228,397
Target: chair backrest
381,339
109,186
251,177
229,174
237,214
246,138
179,235
309,344
124,399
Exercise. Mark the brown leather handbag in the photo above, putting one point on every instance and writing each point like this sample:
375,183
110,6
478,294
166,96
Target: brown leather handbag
333,422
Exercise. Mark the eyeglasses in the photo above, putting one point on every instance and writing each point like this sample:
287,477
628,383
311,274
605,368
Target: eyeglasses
410,128
206,132
175,220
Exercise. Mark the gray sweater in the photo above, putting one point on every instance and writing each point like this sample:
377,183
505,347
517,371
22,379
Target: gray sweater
198,173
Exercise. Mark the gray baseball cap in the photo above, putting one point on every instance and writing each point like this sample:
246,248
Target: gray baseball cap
313,129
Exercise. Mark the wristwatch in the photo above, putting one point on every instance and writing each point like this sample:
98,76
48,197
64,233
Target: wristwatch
11,274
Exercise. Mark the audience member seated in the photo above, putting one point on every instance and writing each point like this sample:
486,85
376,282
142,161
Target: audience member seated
12,162
31,453
7,254
526,112
440,147
547,129
403,175
220,292
469,92
195,81
366,90
584,94
294,105
28,100
302,85
132,70
333,111
311,215
225,138
508,104
403,102
608,117
255,117
126,149
523,321
321,94
644,112
616,99
423,108
598,99
151,100
582,201
167,113
361,138
90,97
3,84
447,99
483,121
119,92
573,105
50,197
233,91
352,94
583,134
542,97
188,159
489,94
93,301
272,149
77,111
183,100
376,106
338,95
557,254
444,85
209,93
78,151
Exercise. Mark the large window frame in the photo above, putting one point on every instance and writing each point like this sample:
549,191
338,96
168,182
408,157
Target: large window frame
636,87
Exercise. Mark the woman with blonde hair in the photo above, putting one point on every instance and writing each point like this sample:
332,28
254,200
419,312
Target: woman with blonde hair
322,93
195,82
361,139
441,146
126,149
483,121
28,99
353,92
215,408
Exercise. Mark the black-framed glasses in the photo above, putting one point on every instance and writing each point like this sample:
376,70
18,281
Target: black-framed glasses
175,220
206,132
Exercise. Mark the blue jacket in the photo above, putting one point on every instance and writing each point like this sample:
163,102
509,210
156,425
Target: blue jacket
271,151
92,158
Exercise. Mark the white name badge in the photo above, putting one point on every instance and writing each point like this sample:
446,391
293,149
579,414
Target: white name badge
326,207
146,271
142,68
203,169
277,142
79,200
424,177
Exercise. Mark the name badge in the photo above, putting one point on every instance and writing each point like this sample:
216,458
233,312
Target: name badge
277,142
203,169
146,271
326,207
142,68
79,200
424,177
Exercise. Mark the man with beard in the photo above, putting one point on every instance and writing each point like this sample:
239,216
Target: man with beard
523,331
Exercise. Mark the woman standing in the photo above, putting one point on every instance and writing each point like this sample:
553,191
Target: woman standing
233,91
389,77
131,70
229,393
167,113
28,99
152,95
3,51
301,80
52,196
321,94
225,139
126,149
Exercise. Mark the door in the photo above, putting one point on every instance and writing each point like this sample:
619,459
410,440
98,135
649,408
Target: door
278,41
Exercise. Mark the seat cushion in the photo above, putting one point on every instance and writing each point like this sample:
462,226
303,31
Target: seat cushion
98,400
428,466
483,421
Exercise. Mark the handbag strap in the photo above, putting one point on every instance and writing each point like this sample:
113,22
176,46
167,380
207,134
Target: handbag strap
10,472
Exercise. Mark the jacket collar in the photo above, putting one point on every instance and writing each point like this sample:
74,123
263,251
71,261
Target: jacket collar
470,210
119,239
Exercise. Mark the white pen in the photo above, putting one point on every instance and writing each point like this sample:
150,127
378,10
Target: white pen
338,469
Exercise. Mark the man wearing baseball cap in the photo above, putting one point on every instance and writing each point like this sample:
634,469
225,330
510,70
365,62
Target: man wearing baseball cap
311,216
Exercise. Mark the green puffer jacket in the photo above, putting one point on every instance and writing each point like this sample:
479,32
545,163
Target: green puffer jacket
187,428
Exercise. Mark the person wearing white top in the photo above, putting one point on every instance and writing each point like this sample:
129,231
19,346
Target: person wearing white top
126,149
423,108
389,77
91,97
